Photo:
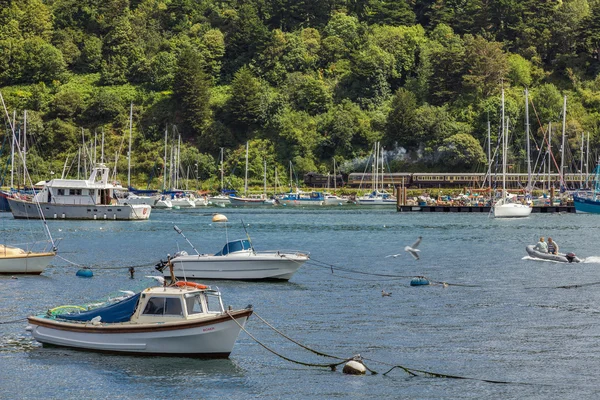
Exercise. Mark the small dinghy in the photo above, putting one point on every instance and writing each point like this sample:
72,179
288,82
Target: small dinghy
560,257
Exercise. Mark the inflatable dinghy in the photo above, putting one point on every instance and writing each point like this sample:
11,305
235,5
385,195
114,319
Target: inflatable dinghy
567,258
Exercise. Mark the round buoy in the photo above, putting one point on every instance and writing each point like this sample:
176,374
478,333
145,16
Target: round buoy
353,367
85,273
419,281
219,218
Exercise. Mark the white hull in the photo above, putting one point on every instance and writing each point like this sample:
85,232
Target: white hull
28,263
334,201
375,202
163,204
243,266
298,203
29,210
183,203
210,337
219,200
143,200
511,210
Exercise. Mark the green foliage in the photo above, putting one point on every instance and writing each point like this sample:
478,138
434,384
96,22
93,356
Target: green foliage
460,151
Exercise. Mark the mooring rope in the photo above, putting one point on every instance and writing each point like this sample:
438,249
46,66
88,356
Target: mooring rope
86,267
13,321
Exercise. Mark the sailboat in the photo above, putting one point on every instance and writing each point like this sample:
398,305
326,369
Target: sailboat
589,201
15,260
378,195
332,198
222,199
505,207
247,200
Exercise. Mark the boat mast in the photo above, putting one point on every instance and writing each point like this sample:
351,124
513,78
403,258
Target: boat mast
503,152
334,177
562,149
246,175
165,160
528,146
265,177
24,145
12,152
221,170
489,139
587,159
102,148
581,167
549,155
129,152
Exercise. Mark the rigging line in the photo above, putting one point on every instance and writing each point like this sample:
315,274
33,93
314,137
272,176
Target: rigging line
332,365
124,267
574,286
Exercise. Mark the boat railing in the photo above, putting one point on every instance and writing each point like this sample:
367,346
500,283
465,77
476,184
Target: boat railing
284,252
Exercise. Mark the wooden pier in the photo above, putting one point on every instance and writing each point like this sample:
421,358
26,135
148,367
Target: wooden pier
480,209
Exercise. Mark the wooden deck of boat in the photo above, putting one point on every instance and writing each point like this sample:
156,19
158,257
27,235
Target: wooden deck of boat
481,209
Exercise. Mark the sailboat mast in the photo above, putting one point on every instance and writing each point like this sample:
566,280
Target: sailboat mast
102,148
581,167
489,140
165,161
24,145
129,152
334,177
221,169
562,150
503,151
12,153
265,176
528,146
549,154
587,158
246,175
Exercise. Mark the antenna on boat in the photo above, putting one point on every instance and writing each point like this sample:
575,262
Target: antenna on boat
186,239
247,235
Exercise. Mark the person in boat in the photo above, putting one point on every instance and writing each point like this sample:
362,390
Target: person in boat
552,246
541,246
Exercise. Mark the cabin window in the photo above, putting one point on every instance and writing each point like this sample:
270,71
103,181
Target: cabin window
194,305
213,304
163,306
84,192
76,192
61,192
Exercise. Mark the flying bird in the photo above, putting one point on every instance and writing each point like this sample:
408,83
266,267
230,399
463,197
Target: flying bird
384,293
412,250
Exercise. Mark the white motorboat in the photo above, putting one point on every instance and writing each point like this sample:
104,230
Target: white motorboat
560,257
185,319
333,200
220,200
377,198
163,203
91,198
14,260
237,260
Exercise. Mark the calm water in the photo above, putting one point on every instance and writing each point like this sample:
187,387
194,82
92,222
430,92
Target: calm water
513,325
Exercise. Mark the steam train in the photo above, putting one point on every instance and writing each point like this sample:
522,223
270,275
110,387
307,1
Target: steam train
423,180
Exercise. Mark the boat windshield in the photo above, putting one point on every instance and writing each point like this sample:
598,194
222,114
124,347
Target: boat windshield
193,304
237,245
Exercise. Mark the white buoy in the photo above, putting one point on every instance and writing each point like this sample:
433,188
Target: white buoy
219,218
354,367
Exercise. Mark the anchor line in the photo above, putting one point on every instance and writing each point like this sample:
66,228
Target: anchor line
332,366
124,267
13,321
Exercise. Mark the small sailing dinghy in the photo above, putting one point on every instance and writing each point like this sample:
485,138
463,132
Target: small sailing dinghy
184,319
560,257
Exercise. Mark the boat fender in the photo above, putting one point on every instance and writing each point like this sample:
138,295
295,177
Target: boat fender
419,281
354,367
219,218
190,284
85,273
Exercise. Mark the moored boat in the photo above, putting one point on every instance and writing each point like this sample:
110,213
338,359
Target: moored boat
184,319
14,260
90,199
237,260
300,198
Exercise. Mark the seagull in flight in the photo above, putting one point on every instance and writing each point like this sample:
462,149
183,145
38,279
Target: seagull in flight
412,250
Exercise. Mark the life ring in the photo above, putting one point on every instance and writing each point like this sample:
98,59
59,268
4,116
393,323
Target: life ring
190,284
144,211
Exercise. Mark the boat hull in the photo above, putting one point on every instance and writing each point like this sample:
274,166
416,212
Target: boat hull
206,338
28,263
511,210
245,266
376,202
22,209
585,205
246,201
548,256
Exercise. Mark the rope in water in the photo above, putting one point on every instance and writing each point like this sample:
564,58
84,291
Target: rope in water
13,321
124,267
410,371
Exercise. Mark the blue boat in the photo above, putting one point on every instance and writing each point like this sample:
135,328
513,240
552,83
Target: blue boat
589,201
300,198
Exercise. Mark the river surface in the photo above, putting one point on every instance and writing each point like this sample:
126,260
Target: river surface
503,317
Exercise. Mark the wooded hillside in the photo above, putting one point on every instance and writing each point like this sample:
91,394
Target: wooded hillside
303,80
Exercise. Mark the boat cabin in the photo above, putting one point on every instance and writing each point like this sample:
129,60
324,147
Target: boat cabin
96,190
235,246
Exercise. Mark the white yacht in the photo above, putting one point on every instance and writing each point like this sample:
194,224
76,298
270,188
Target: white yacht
91,198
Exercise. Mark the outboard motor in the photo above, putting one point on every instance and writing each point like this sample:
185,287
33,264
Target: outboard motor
570,257
161,265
